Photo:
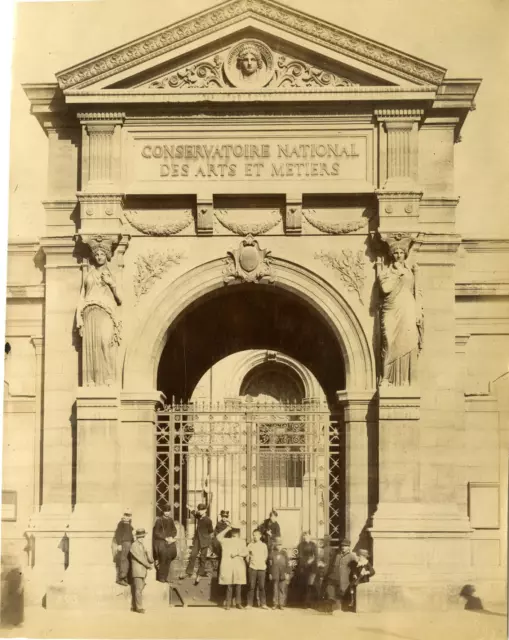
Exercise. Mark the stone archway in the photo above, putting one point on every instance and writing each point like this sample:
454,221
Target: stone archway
140,397
147,343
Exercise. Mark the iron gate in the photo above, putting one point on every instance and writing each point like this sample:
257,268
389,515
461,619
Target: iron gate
249,458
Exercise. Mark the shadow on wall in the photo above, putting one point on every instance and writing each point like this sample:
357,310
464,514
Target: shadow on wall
13,602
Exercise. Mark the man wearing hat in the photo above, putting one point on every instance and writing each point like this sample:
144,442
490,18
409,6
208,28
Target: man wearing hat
141,560
123,539
338,579
222,524
164,540
201,542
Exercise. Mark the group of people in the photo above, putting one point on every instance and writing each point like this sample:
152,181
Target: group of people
332,580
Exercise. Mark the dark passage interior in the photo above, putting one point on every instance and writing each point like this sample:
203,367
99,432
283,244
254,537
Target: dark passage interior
248,317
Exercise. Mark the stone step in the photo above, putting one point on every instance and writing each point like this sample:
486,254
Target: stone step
71,594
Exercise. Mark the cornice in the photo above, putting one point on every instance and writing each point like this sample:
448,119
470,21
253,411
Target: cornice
438,242
485,245
344,94
26,247
228,13
477,289
25,292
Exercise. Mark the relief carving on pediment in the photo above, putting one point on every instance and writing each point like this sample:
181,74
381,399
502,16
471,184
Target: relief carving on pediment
250,64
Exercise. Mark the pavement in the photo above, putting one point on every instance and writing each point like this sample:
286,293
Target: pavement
211,622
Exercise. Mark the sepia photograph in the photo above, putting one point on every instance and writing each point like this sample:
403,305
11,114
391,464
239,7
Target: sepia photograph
256,369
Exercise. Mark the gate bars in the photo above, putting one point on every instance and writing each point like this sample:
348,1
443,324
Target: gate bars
248,458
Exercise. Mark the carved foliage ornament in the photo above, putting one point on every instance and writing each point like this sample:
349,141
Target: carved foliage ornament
158,223
248,263
335,228
250,65
349,266
152,267
207,22
226,218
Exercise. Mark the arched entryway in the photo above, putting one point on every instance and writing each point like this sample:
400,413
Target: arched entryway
196,322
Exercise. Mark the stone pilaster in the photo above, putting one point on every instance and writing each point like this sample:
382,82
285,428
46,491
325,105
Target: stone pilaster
101,150
138,453
100,199
38,343
359,442
399,196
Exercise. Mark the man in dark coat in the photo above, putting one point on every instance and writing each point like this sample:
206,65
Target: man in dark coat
123,538
202,540
222,524
270,529
338,579
164,540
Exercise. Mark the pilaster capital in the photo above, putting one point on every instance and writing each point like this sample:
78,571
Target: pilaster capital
38,342
399,116
140,406
59,252
437,249
97,118
461,341
356,404
399,403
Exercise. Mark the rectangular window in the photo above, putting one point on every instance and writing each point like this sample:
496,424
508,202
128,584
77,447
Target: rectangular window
280,456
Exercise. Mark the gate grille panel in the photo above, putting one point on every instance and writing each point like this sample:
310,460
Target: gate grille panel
249,458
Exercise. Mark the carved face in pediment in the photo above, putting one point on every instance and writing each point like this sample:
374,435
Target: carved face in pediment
249,63
252,64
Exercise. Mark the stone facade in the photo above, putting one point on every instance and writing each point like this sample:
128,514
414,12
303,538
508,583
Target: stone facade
252,151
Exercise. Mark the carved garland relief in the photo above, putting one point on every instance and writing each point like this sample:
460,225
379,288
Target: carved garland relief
158,223
335,228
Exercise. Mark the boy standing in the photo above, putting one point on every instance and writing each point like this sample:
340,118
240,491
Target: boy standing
279,573
123,540
361,573
141,560
257,558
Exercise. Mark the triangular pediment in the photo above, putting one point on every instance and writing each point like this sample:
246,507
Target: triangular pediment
269,64
290,50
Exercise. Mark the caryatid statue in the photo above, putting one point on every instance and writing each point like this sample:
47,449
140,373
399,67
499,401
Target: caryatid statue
401,316
96,317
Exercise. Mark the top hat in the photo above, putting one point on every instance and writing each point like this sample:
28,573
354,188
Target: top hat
140,533
166,508
345,543
201,507
224,514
